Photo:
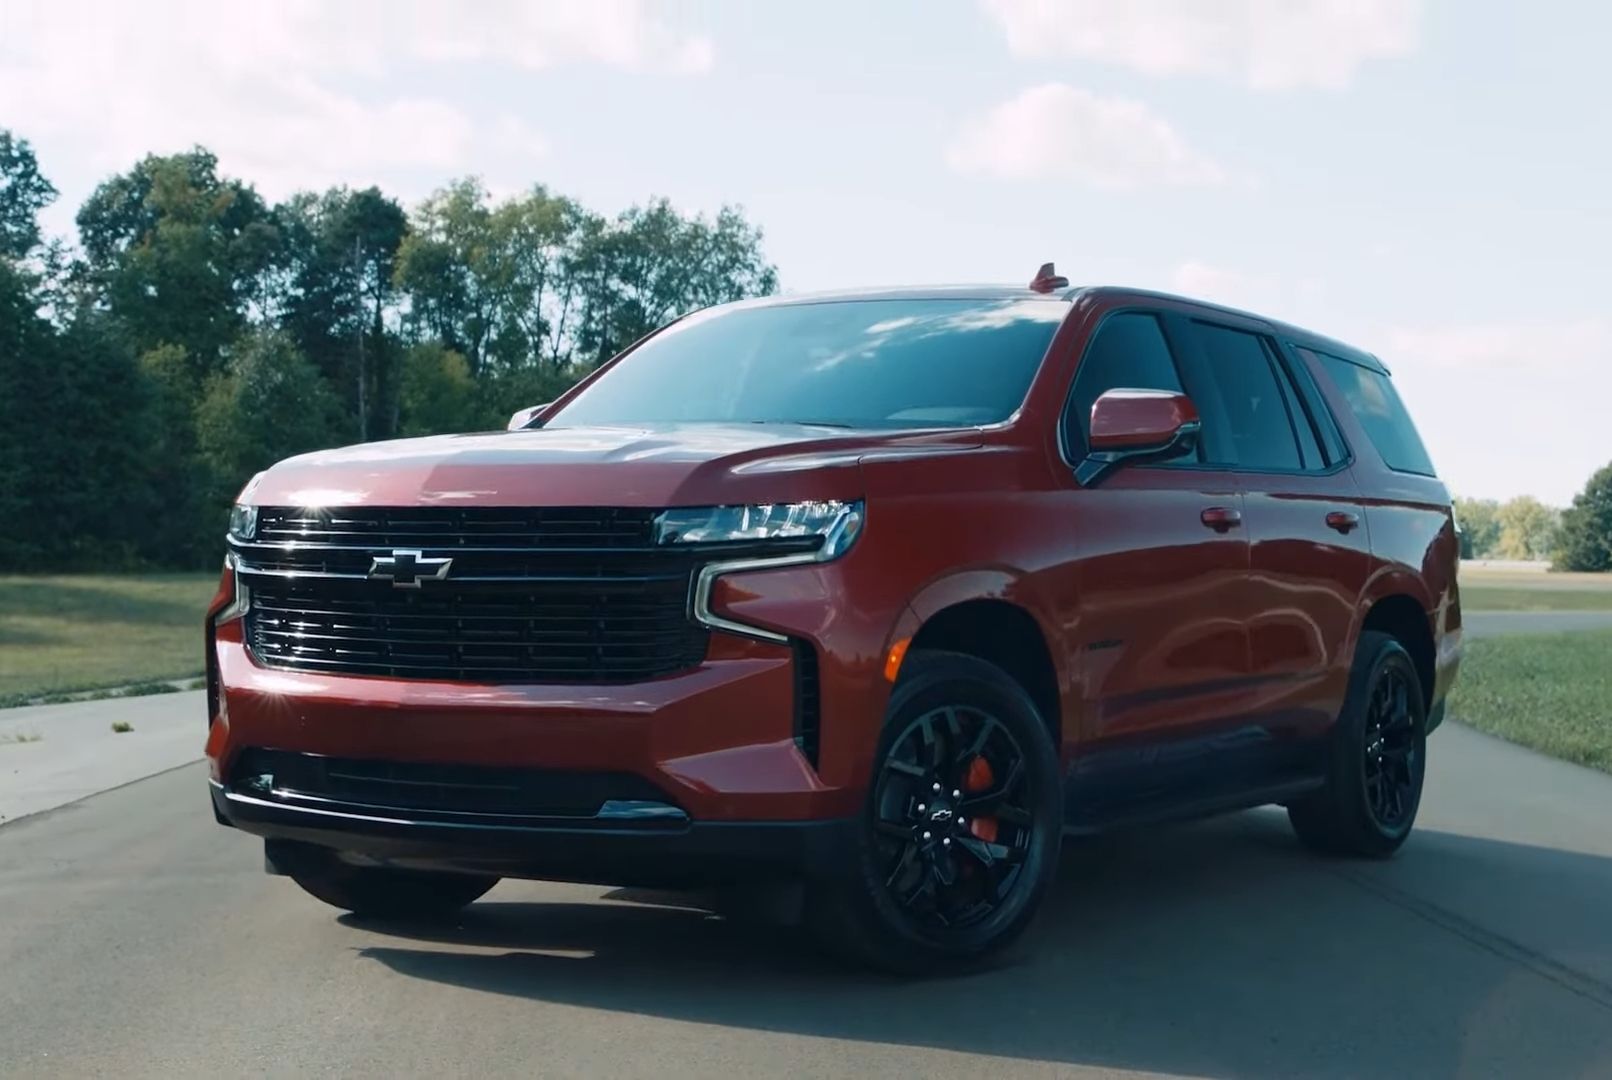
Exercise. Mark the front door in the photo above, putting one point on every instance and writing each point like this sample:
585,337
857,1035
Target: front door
1162,583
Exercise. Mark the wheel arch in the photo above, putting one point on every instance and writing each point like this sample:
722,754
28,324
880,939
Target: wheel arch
990,625
1404,618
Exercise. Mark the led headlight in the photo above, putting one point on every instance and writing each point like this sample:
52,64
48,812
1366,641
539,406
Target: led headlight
773,534
837,523
243,521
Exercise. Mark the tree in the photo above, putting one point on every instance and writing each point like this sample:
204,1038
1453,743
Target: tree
1585,539
1527,529
652,264
341,258
23,193
74,439
179,255
1480,527
269,405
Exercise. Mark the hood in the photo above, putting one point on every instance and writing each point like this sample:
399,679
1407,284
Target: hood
673,465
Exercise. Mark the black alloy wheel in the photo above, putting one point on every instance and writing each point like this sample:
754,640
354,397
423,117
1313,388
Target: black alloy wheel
959,838
1376,758
1392,765
953,821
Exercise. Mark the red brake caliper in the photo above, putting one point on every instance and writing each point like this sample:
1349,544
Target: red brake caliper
980,778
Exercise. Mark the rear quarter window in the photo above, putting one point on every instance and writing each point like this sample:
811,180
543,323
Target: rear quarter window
1376,404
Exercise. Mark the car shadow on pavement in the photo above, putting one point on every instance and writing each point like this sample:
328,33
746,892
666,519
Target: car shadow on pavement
1218,948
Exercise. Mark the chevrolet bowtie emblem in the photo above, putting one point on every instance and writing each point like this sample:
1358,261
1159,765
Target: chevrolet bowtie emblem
406,569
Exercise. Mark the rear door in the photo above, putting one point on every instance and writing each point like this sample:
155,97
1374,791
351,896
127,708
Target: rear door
1309,553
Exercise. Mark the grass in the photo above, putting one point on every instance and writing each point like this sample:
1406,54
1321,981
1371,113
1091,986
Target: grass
1522,598
1552,692
21,737
121,727
71,632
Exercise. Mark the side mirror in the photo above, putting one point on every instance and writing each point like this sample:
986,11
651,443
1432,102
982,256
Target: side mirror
524,417
1137,427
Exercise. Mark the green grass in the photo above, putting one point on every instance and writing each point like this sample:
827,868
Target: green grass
1521,598
1552,692
70,632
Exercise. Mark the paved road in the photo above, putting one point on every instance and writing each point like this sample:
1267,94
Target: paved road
138,938
1493,623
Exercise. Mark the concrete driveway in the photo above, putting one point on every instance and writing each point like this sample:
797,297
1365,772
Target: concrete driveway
139,938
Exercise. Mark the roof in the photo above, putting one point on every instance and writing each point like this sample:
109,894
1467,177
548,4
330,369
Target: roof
1023,292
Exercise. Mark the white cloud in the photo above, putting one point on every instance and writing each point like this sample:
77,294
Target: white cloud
1264,44
1057,131
1506,347
293,93
1508,407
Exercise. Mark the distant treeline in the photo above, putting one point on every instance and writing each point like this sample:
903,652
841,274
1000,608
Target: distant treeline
195,334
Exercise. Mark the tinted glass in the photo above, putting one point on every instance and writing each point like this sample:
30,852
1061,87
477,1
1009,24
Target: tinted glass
1376,405
1309,448
1129,351
1331,441
1258,428
867,363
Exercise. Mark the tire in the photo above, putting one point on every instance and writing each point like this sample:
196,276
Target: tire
893,908
384,893
1377,761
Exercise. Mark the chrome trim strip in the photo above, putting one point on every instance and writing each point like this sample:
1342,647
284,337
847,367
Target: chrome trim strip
700,599
639,810
243,596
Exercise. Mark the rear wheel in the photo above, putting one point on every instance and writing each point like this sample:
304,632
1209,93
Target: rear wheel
960,832
1378,758
386,893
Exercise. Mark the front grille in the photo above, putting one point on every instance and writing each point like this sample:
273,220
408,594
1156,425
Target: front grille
556,595
426,789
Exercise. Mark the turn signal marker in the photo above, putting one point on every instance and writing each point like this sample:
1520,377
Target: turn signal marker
892,662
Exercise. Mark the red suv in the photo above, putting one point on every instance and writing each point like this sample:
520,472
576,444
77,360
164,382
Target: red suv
877,594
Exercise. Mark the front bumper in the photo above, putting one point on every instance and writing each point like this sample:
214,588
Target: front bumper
666,853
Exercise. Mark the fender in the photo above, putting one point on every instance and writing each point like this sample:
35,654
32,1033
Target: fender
1007,585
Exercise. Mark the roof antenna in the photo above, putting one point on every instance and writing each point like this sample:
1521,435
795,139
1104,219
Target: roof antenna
1047,279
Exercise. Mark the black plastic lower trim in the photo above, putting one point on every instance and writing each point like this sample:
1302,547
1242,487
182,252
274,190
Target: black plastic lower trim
690,854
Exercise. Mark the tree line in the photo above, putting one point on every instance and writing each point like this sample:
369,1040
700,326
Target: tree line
1577,538
196,333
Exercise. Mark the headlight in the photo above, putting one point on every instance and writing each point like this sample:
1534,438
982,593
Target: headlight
243,521
837,523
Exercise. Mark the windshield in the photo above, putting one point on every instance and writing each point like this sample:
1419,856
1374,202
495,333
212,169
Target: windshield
854,363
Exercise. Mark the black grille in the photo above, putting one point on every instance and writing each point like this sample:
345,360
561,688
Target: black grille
433,789
808,708
532,595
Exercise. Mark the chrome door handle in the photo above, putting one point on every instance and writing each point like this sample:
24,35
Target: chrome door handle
1221,518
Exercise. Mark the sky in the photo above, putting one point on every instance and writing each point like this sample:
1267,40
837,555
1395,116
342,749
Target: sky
1430,181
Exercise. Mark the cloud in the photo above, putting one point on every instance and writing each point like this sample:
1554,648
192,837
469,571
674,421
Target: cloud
299,93
1264,44
1506,347
1058,131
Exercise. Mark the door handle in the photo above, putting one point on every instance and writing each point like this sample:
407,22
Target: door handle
1342,520
1221,518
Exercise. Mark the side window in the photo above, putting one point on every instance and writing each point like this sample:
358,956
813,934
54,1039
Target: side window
1325,426
1256,410
1129,351
1309,448
1376,405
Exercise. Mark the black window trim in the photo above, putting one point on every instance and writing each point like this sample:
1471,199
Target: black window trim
1315,403
1273,354
1066,449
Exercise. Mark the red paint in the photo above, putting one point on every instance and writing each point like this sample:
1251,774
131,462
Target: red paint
1125,419
1173,602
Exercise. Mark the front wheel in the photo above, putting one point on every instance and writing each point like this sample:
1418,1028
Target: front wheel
385,893
1378,758
959,837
